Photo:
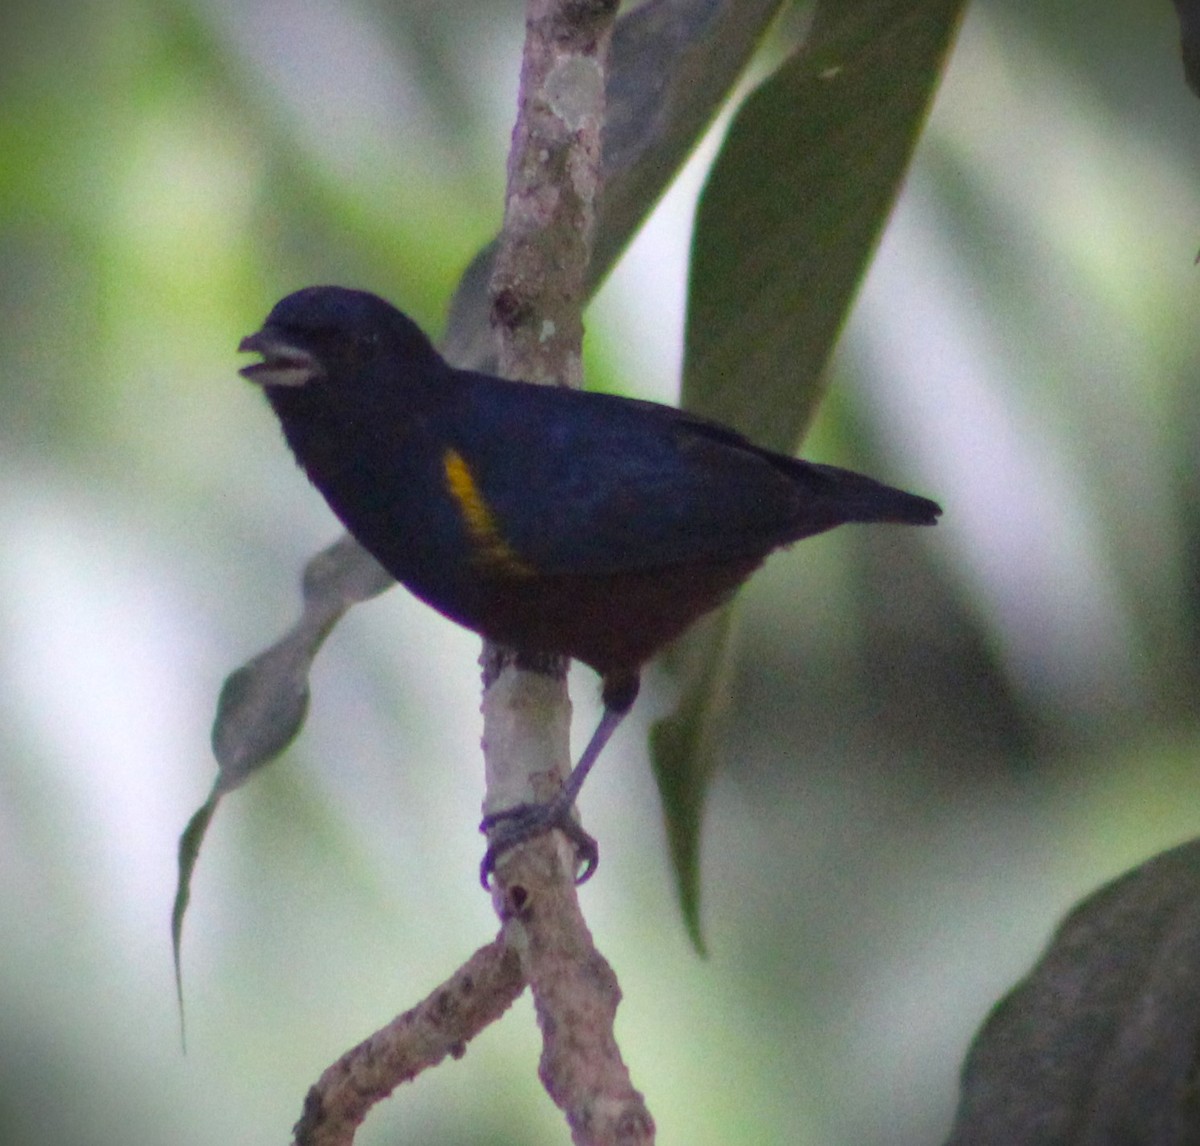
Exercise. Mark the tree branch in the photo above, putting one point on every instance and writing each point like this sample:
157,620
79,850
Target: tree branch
441,1024
538,289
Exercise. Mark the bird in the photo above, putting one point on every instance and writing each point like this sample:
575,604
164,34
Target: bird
554,521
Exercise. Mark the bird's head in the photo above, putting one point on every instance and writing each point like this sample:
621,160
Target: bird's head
326,335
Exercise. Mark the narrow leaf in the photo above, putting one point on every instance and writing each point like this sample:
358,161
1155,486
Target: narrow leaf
189,851
785,227
262,704
686,744
795,204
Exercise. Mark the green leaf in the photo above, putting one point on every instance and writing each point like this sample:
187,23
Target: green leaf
189,852
686,744
262,704
794,206
785,227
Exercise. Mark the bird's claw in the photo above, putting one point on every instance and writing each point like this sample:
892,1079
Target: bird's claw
517,825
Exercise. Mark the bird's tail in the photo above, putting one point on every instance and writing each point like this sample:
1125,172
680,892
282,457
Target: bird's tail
853,497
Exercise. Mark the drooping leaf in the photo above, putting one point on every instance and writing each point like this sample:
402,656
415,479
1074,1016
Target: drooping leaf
189,851
686,744
786,225
1098,1046
263,703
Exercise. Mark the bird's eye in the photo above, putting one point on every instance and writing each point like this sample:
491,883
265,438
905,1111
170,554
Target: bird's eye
367,344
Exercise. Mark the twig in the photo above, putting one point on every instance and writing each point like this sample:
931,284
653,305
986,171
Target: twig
441,1024
554,182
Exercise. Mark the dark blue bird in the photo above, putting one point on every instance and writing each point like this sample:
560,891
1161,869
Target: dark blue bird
553,521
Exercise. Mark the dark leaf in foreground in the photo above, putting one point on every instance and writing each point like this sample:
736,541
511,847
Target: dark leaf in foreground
1100,1045
786,225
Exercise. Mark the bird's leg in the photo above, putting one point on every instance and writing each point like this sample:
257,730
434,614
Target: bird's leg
523,822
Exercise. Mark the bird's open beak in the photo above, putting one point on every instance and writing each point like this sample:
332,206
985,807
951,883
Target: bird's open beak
282,363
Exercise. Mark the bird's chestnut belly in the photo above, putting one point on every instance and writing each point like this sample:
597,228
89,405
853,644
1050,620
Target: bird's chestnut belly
613,622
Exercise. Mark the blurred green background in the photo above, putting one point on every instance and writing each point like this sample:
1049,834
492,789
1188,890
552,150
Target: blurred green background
940,740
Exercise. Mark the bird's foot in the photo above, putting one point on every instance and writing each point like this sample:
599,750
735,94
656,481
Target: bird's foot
516,825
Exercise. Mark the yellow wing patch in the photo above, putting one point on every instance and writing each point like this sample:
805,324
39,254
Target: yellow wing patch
481,525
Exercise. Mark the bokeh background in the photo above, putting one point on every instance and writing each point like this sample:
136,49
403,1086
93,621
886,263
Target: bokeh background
941,739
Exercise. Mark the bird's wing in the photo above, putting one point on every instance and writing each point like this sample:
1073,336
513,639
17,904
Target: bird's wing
587,483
